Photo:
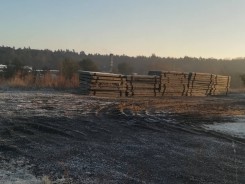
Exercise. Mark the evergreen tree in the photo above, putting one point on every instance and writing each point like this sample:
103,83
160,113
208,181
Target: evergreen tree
88,65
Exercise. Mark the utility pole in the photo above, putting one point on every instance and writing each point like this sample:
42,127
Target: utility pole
111,63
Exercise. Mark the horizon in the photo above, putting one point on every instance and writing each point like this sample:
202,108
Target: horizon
175,29
115,54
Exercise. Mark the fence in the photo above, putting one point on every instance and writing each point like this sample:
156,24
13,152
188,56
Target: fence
155,84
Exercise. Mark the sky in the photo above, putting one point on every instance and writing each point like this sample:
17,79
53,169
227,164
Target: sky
166,28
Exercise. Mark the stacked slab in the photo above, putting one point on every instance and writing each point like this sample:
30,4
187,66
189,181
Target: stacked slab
102,84
142,85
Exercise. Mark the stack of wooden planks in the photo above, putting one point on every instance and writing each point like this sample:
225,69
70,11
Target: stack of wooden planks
172,83
156,83
221,85
200,84
102,84
192,84
142,85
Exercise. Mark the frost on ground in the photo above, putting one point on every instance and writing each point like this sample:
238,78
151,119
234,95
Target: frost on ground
71,138
16,172
236,128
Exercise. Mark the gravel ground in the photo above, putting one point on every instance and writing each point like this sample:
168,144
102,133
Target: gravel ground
70,138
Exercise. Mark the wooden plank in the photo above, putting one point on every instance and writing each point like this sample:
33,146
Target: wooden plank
105,88
89,73
172,80
102,82
173,94
95,86
143,84
141,88
142,77
143,95
102,78
166,72
174,84
200,87
142,92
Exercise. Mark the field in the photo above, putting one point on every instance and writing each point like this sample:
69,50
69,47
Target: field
68,138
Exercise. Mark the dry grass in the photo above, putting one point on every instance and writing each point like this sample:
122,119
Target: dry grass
46,180
41,81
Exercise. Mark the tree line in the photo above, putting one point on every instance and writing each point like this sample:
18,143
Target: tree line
69,61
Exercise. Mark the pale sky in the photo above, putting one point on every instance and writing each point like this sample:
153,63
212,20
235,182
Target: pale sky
167,28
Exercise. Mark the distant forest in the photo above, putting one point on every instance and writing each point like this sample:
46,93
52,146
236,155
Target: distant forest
40,59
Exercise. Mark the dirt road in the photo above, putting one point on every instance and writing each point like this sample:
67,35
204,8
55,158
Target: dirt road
78,139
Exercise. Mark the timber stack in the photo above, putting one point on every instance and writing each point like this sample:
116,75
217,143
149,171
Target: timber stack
142,85
102,84
200,84
172,83
155,84
221,85
192,84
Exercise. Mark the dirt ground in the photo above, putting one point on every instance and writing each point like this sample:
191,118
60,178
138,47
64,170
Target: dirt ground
70,138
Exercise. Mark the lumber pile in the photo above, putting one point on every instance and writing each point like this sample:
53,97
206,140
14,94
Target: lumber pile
200,84
102,84
155,84
221,85
192,84
142,85
172,83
